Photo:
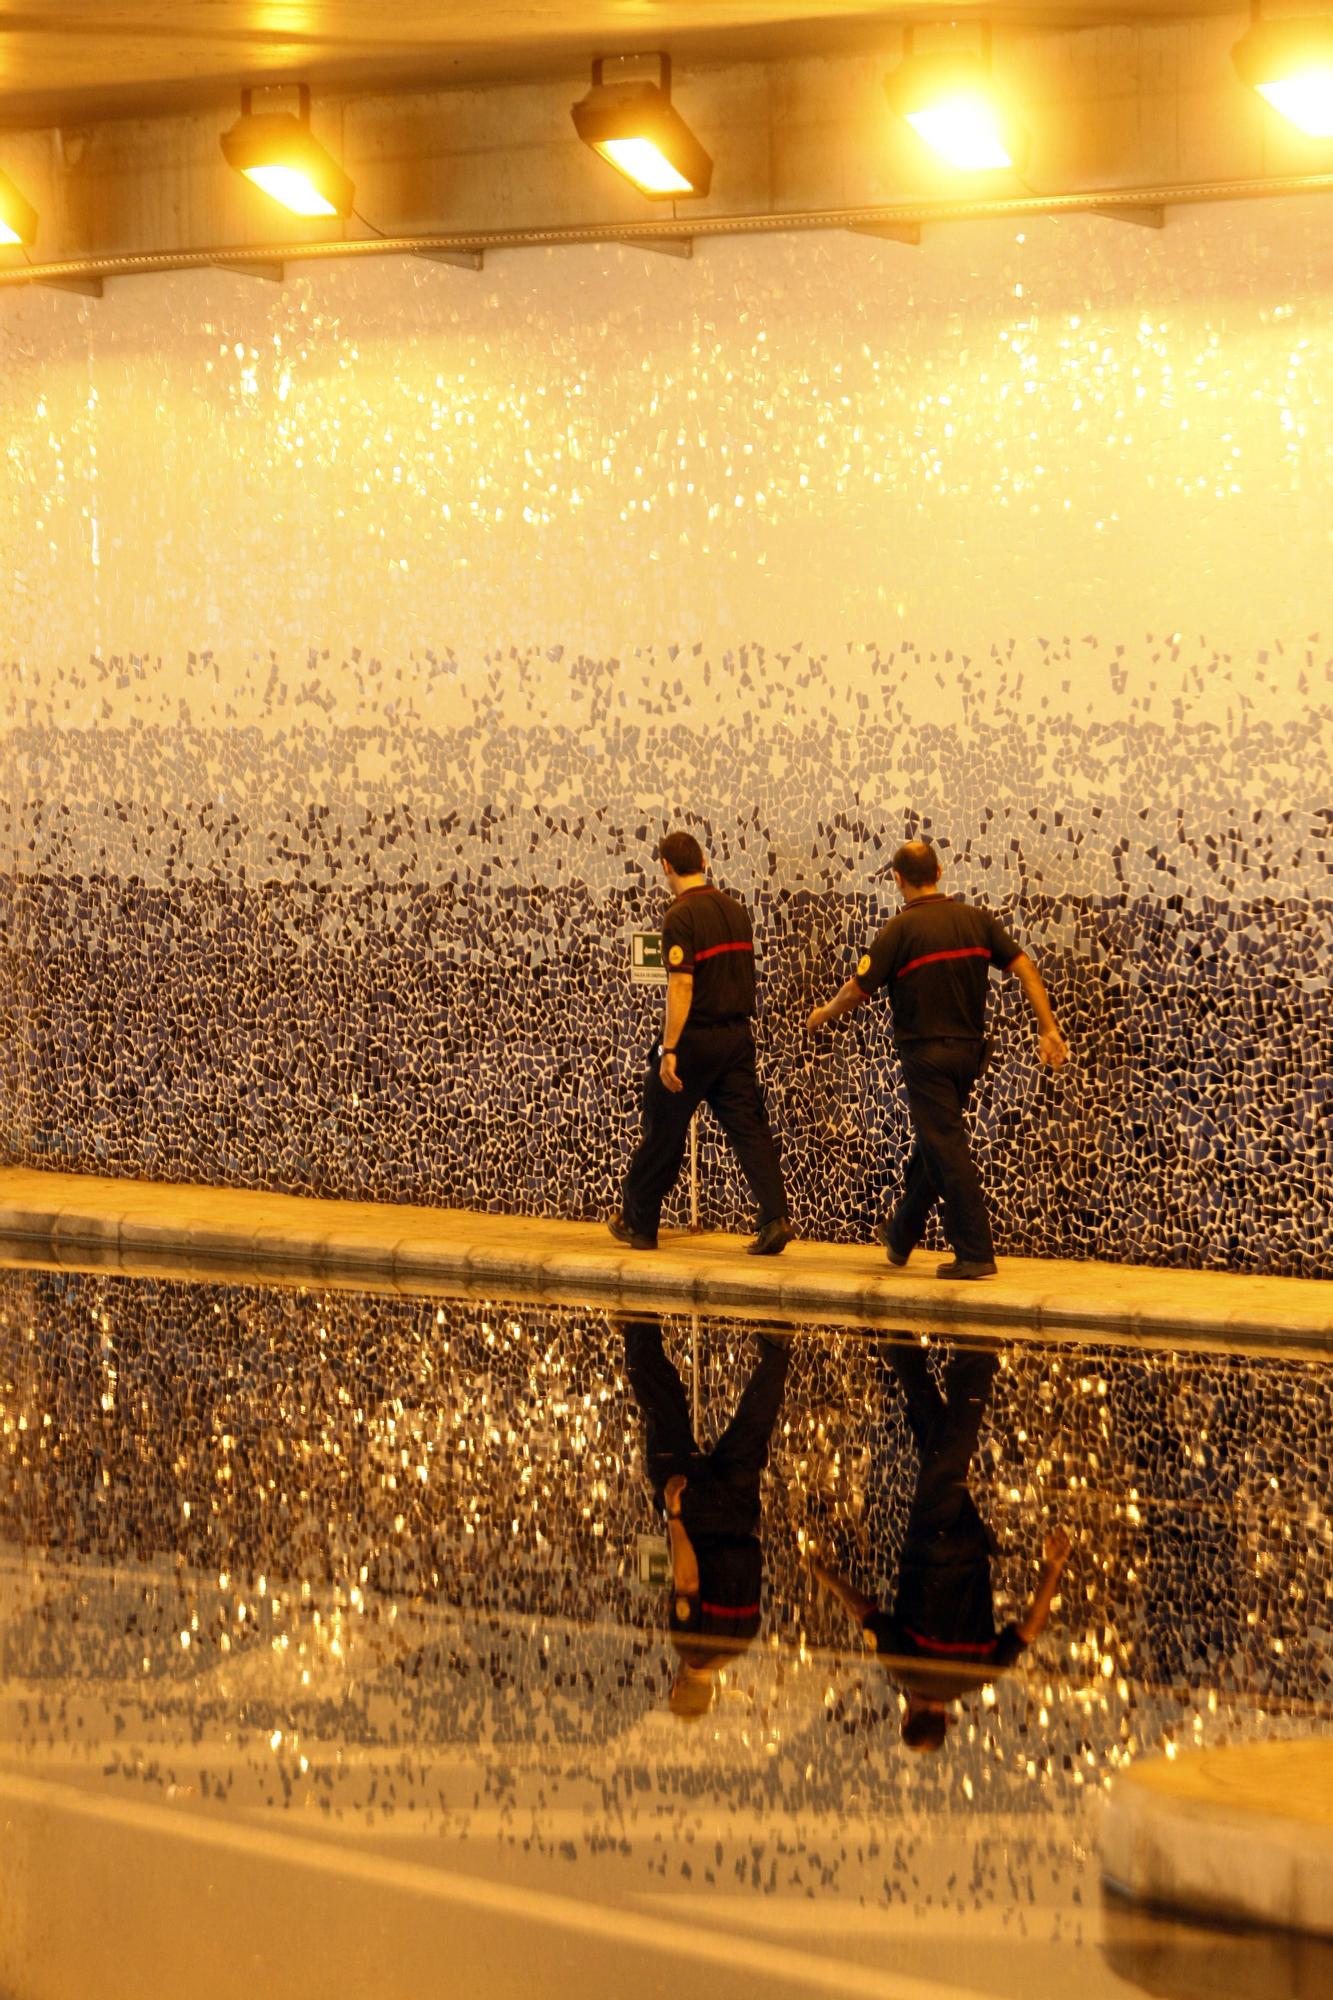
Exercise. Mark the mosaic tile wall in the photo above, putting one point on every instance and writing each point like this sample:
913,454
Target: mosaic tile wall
362,637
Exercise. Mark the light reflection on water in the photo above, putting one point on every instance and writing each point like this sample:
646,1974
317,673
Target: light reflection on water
386,1573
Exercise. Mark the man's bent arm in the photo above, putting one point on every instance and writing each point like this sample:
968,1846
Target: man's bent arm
679,1000
684,1562
1050,1042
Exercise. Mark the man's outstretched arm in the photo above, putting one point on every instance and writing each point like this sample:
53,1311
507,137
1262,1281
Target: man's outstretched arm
1054,1557
847,997
1051,1045
857,1607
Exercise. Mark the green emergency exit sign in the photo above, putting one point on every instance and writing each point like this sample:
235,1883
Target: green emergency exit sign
645,959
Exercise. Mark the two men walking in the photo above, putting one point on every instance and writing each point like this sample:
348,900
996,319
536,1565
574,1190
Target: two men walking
934,958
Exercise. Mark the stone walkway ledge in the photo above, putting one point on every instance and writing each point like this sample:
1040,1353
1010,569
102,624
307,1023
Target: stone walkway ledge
79,1219
1242,1834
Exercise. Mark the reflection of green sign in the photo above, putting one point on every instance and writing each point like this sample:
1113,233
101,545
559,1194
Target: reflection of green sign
654,1562
645,959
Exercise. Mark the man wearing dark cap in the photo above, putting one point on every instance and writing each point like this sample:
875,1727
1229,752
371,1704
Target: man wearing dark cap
706,1056
711,1503
935,958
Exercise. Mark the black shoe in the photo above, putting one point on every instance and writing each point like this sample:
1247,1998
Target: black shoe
896,1257
963,1267
633,1239
772,1239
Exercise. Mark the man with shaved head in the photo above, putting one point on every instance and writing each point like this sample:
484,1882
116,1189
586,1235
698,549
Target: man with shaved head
705,1056
935,958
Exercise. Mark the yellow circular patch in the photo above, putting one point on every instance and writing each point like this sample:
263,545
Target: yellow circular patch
863,963
676,956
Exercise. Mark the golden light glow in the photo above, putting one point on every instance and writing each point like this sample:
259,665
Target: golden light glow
291,187
964,128
18,217
949,99
636,129
1290,64
645,164
1306,98
280,155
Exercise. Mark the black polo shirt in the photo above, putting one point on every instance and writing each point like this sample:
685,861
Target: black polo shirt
721,1521
940,1669
935,958
726,1608
708,933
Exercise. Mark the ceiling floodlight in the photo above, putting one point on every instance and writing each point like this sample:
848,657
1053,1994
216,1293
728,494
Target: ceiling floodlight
281,155
949,99
639,130
18,218
1290,64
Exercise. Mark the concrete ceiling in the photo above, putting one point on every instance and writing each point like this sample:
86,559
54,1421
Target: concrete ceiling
70,61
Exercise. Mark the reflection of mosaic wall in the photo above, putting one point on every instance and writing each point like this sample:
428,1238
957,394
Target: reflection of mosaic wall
285,1518
339,724
488,1455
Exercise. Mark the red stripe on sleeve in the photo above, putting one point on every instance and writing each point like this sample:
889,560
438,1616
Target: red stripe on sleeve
978,1649
713,950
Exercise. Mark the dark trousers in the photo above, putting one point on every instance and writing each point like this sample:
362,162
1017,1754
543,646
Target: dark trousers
939,1077
716,1066
670,1446
946,1428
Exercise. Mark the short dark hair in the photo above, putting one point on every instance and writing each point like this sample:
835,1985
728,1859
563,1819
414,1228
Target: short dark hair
690,1698
682,854
923,1728
918,864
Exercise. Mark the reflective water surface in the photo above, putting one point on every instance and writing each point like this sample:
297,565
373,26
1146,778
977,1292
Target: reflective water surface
347,1637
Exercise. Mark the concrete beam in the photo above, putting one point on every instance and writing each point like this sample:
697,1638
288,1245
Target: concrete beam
1108,108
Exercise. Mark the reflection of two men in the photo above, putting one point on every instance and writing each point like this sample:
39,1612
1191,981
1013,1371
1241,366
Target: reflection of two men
939,1641
710,1500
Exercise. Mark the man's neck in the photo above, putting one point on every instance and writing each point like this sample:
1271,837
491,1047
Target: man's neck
920,895
680,883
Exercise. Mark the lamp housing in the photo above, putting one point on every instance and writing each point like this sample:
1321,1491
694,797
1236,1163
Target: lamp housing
949,99
18,217
1290,64
280,154
638,130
